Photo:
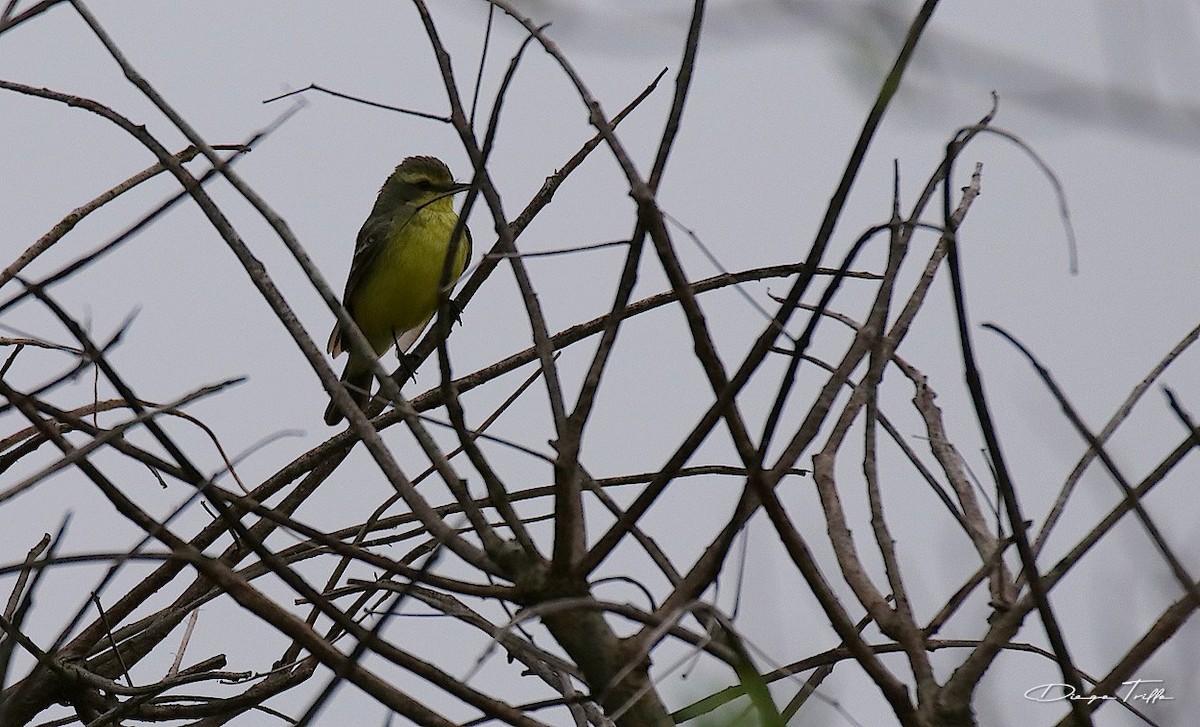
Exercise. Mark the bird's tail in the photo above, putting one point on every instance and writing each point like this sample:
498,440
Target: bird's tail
358,385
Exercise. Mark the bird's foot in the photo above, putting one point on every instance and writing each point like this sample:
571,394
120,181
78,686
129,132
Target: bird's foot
408,366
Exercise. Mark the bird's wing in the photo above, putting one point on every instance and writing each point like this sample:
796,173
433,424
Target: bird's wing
371,240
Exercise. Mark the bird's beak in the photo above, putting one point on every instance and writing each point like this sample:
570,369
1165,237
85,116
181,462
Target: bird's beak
459,187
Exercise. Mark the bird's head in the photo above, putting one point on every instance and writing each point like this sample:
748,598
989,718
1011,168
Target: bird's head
421,181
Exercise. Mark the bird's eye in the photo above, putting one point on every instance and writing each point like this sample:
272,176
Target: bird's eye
424,185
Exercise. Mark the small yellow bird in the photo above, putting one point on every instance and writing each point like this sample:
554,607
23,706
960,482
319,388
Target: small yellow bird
392,289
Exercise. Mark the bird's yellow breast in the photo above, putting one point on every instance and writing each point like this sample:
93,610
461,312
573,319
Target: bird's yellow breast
400,292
